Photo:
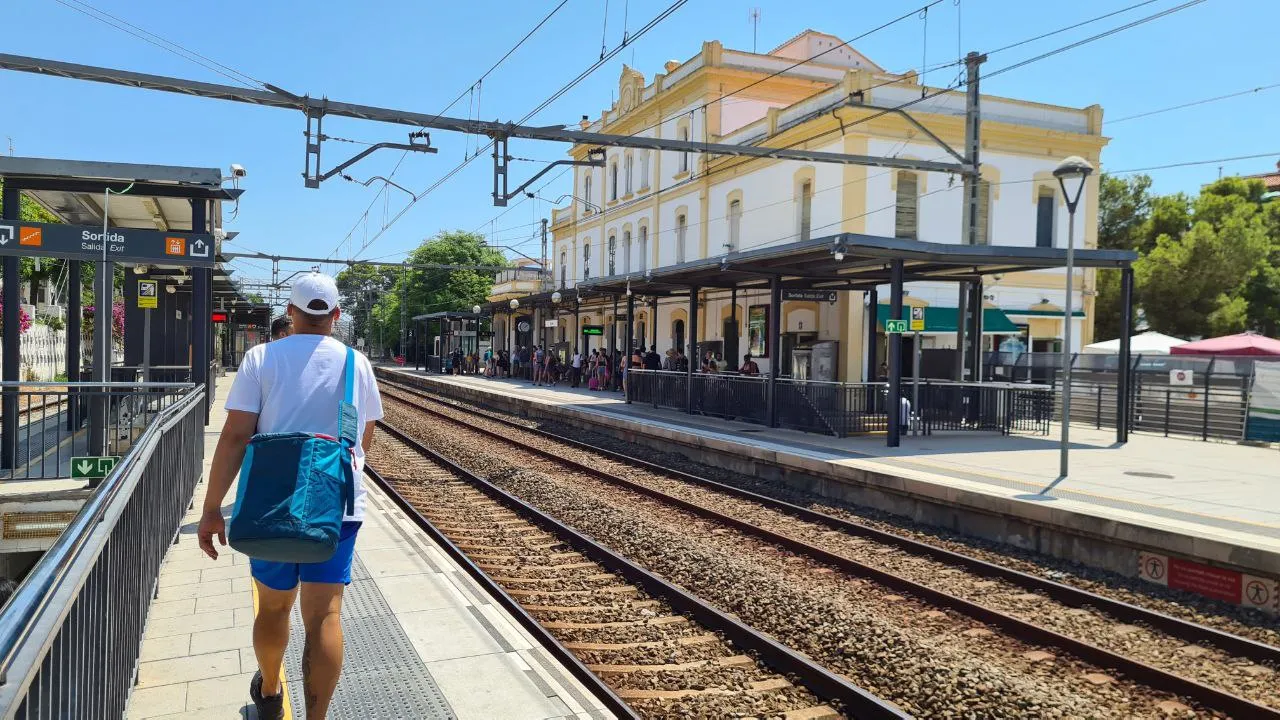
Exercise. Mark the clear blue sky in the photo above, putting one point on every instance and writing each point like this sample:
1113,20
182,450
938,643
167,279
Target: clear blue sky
419,56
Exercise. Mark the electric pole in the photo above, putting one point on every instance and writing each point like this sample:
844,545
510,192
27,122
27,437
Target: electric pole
404,306
972,189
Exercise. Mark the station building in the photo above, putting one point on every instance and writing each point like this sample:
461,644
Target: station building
648,210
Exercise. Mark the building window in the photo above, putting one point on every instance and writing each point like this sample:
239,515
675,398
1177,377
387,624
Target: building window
613,181
644,169
758,331
644,247
806,209
907,206
735,226
627,174
613,254
683,134
1046,203
677,336
586,193
626,252
564,267
984,212
681,228
586,261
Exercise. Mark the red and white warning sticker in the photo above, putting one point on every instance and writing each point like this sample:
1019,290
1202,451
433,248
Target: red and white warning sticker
1225,585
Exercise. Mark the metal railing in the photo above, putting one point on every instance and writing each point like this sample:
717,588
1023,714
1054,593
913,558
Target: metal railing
843,409
56,421
70,635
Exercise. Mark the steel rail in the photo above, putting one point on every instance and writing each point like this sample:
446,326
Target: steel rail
1061,592
1026,631
781,658
564,655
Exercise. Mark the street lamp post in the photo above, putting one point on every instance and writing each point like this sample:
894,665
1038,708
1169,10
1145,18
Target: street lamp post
1074,170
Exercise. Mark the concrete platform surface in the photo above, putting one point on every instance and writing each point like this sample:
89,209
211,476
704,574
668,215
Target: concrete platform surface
1207,492
422,639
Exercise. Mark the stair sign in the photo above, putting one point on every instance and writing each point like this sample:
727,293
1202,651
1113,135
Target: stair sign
87,467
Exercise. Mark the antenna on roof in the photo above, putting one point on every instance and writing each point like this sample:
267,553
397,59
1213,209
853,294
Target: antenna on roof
754,18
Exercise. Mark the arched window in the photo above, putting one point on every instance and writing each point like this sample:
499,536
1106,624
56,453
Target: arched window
735,226
1046,205
907,205
564,267
627,174
613,181
681,232
644,169
644,247
586,260
613,254
586,193
677,334
626,252
806,210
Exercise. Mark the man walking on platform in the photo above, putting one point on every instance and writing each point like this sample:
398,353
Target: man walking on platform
296,385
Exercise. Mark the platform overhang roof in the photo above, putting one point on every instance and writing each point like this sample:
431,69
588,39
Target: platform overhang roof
864,263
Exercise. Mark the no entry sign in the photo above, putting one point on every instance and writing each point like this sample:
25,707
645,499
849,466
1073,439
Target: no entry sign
82,242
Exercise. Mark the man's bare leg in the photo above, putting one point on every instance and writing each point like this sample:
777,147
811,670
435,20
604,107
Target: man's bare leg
271,634
322,655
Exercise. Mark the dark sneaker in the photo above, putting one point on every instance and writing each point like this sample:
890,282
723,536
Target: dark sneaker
269,708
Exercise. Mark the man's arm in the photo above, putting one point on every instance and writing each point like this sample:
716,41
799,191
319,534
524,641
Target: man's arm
236,433
366,440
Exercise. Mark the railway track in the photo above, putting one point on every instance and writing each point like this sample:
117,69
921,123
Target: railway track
1213,669
649,648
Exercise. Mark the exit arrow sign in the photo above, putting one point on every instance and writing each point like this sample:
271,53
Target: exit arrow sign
93,467
895,327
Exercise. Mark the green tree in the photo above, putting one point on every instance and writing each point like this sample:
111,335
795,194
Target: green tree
1124,206
1193,282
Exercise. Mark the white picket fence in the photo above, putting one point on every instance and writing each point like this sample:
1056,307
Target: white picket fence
44,353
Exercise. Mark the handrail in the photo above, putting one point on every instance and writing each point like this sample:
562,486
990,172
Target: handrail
33,595
19,384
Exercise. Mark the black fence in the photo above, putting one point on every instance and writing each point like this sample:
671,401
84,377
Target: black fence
1204,397
55,422
843,409
70,635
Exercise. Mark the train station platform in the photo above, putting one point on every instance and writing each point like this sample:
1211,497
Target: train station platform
1211,502
422,639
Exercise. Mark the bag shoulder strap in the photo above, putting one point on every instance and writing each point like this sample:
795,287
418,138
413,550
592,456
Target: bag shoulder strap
348,418
349,376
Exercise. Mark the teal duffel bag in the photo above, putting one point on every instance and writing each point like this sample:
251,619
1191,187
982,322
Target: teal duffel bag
294,487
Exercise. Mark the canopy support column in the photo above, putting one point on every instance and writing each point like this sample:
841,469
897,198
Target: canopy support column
894,404
12,333
74,316
631,340
774,347
962,321
693,349
1124,369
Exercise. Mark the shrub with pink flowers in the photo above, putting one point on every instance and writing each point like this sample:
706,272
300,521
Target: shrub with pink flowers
117,321
24,320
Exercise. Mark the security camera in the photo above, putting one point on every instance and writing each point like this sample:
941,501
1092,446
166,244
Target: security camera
238,171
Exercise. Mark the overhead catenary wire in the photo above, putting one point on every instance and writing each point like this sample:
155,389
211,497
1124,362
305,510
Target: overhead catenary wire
464,93
1194,103
555,96
163,43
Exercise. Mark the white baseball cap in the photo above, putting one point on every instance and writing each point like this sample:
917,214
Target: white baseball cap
312,287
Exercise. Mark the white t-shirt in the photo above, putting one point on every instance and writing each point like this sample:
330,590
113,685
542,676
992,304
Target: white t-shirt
294,384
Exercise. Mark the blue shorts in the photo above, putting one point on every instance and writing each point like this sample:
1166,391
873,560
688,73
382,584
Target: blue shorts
337,569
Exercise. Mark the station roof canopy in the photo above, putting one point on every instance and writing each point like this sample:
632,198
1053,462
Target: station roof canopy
864,262
157,197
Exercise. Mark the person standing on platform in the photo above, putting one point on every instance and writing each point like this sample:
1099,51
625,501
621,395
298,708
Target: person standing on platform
575,368
281,327
539,365
296,384
749,366
652,360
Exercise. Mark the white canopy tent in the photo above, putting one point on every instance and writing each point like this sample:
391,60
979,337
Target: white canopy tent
1147,343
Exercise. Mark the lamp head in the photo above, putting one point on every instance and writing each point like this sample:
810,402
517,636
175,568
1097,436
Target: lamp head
555,297
513,304
1073,167
475,309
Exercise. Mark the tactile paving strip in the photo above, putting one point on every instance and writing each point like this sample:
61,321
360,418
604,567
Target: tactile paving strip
382,675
